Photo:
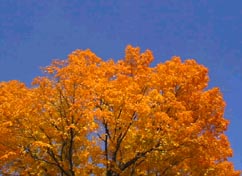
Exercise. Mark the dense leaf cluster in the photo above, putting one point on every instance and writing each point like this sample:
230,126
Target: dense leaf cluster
87,116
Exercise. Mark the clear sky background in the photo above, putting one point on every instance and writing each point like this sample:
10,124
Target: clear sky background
34,32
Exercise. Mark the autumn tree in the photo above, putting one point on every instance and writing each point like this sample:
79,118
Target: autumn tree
87,116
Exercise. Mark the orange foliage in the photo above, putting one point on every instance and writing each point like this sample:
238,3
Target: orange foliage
89,116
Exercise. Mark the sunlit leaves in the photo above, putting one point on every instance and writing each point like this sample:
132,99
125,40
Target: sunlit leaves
89,116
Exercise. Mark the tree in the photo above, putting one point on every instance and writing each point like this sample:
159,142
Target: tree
87,116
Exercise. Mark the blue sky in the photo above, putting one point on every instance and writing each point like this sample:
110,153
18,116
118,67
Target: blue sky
33,32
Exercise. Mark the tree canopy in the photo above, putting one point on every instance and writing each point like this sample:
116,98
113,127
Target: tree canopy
87,116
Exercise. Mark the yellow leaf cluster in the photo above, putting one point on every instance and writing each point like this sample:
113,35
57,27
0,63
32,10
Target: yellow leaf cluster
87,116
